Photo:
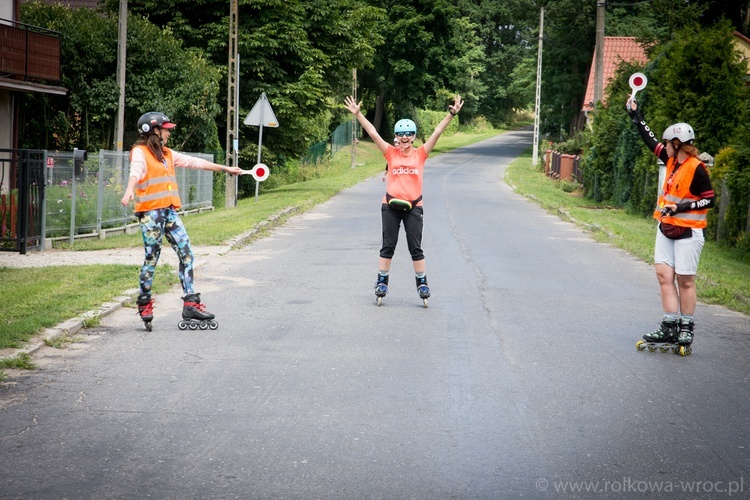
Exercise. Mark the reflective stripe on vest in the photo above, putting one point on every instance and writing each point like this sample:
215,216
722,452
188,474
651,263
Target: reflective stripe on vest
678,191
159,188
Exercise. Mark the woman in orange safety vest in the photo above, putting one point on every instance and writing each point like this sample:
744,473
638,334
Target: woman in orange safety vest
682,208
153,185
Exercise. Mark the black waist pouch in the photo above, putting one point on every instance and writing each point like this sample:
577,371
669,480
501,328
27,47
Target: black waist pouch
402,205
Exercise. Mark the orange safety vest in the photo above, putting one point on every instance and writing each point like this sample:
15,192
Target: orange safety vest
159,188
676,189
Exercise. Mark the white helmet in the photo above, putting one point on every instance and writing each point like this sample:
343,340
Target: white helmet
681,131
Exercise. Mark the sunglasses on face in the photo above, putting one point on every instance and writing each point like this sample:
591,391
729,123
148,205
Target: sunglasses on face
404,134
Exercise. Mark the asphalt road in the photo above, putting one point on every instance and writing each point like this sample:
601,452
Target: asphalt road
521,379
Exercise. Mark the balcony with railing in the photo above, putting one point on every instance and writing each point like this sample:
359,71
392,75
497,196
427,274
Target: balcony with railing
29,53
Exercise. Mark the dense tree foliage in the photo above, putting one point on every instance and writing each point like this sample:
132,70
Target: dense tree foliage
161,75
296,51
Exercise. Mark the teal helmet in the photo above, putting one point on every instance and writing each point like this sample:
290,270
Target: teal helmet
405,126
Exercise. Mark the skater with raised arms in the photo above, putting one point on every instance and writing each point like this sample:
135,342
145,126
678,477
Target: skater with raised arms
682,208
402,202
153,185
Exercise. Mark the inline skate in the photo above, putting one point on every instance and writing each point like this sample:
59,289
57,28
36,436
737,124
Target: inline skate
685,336
423,289
194,314
146,309
381,288
664,339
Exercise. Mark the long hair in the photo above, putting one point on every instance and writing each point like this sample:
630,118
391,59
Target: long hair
153,143
690,149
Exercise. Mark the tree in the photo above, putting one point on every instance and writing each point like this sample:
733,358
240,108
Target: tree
698,79
161,76
508,32
430,51
568,47
296,51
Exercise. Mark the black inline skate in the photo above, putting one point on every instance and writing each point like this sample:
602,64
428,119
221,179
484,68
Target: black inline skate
381,288
194,314
146,309
685,337
664,339
423,289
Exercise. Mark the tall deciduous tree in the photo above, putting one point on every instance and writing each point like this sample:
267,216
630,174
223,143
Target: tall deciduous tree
569,40
296,51
161,76
430,50
508,31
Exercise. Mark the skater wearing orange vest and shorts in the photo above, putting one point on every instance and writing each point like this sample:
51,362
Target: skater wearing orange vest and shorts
681,210
402,202
153,185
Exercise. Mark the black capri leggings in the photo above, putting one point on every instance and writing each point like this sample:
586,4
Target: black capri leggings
413,224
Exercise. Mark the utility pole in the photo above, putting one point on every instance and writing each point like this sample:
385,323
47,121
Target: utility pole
122,42
537,104
354,120
599,53
230,192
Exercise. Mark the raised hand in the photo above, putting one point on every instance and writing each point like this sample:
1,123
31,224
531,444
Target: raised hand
458,103
352,105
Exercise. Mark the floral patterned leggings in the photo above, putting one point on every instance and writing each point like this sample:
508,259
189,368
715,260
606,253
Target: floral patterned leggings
158,224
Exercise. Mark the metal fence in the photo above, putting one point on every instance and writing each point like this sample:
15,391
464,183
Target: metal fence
88,202
21,199
341,137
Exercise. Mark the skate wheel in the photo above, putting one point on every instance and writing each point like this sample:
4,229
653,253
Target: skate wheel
425,303
192,326
664,348
213,325
203,326
676,350
685,350
148,325
182,325
640,345
651,348
379,301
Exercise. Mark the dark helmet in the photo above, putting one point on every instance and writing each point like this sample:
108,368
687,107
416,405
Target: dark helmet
148,121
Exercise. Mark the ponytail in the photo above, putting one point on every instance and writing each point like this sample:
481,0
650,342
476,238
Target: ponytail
153,143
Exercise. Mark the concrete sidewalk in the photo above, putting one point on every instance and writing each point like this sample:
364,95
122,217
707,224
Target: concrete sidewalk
125,256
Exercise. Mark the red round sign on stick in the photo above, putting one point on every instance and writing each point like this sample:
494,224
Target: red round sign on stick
260,172
638,81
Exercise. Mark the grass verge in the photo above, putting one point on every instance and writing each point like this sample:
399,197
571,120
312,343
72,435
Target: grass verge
44,297
723,275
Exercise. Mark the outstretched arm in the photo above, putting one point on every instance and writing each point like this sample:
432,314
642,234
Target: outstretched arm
648,136
453,110
355,109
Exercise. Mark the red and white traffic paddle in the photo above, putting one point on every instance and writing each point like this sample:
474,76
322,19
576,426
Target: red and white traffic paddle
260,172
638,81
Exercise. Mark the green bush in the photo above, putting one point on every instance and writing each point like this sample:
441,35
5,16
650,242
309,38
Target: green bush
427,121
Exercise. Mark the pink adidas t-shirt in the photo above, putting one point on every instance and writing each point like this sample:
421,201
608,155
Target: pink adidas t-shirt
405,173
